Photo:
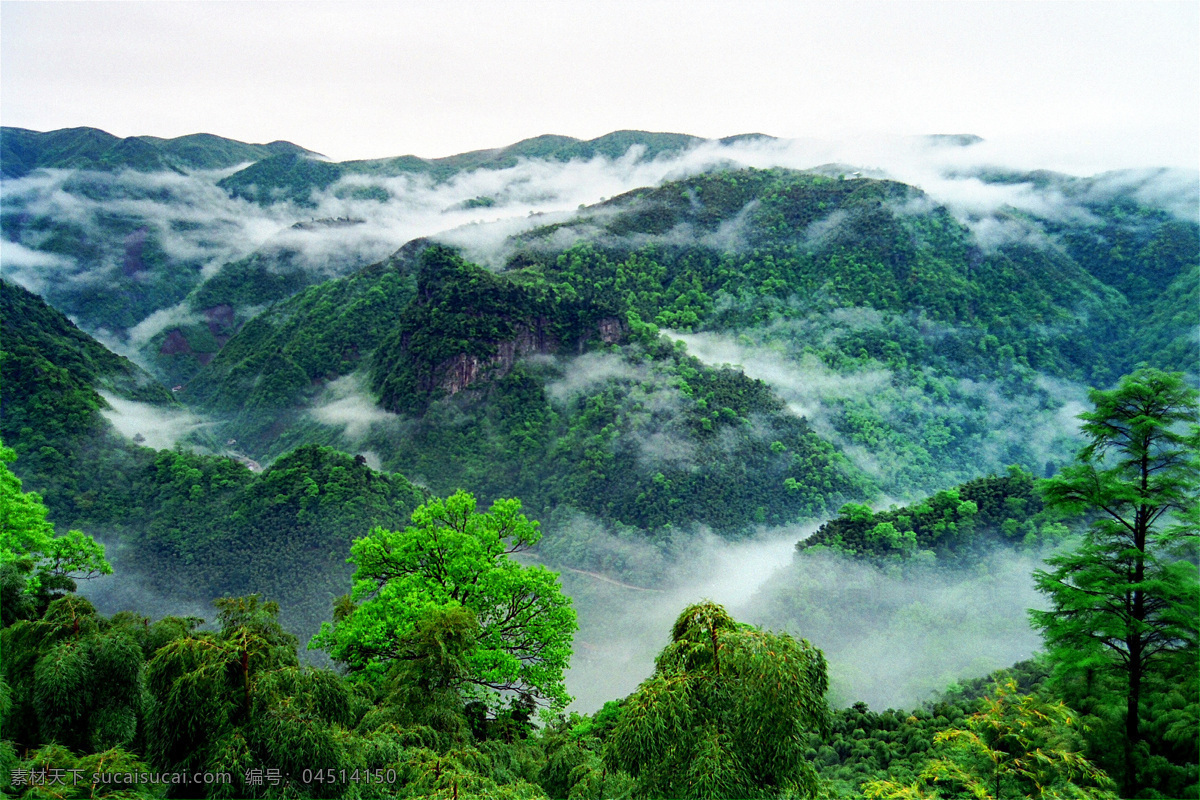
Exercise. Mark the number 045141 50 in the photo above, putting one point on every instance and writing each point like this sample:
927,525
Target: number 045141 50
352,776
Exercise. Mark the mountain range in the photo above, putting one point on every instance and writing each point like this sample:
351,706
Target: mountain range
650,339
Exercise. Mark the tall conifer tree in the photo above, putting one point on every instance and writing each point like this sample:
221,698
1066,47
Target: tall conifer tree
1127,599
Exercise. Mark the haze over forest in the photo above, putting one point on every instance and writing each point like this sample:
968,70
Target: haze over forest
707,402
683,356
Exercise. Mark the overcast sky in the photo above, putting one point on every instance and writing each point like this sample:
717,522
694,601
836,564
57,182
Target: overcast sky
1119,80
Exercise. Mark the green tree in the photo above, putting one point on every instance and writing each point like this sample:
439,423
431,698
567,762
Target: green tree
452,557
1015,746
33,560
724,714
72,679
1126,600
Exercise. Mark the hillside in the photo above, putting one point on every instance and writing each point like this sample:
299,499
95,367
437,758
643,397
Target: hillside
509,359
926,354
193,526
23,151
293,177
838,403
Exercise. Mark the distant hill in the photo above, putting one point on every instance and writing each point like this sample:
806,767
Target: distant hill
22,151
289,177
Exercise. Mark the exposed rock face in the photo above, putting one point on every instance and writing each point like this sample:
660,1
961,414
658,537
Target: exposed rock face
611,330
175,343
220,319
135,243
462,371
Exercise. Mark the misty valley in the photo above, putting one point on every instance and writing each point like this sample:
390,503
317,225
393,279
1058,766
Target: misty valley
648,466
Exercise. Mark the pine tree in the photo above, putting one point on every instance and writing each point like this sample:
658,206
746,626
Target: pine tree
1127,599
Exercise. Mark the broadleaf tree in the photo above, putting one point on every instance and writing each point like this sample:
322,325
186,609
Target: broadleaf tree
454,557
1014,746
724,714
1126,600
34,560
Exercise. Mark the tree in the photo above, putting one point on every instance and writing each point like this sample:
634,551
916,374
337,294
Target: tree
71,679
724,714
1015,746
33,560
408,584
1126,600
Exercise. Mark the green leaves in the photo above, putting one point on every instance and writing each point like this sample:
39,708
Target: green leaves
28,544
1015,746
1125,600
445,595
724,714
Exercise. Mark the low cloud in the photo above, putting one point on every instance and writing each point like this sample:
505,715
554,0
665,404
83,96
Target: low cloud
892,638
176,316
625,618
154,426
200,229
32,269
347,404
805,384
1033,425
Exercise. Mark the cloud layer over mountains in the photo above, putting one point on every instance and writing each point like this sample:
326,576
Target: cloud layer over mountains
201,228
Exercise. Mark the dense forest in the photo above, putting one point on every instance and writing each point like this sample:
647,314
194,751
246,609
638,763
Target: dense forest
291,510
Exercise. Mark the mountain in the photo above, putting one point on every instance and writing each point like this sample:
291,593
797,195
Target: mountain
293,177
677,384
926,355
515,360
53,377
23,151
194,525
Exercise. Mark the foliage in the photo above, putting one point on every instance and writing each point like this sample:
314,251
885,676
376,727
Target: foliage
213,527
74,678
953,524
33,560
1126,599
516,633
289,176
462,314
143,709
53,771
724,712
320,334
89,148
1013,747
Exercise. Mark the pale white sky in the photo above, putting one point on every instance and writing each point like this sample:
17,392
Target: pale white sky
363,80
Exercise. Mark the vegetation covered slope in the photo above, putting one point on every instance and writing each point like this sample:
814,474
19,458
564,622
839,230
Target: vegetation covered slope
51,409
839,284
290,176
619,431
740,248
22,151
198,525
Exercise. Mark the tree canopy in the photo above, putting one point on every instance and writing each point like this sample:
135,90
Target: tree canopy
1015,746
724,713
33,559
410,584
1126,599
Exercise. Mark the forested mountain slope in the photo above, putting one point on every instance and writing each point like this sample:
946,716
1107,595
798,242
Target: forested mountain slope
926,352
290,176
825,397
194,526
552,399
23,151
50,409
